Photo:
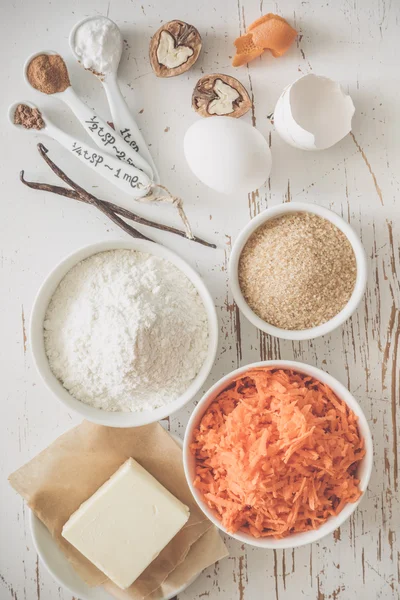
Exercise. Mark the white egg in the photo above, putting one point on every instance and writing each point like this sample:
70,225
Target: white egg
227,154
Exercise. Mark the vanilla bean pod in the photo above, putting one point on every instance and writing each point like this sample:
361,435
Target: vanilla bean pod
89,198
123,212
82,195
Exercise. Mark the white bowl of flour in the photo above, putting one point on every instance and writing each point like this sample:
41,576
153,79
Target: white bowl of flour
124,332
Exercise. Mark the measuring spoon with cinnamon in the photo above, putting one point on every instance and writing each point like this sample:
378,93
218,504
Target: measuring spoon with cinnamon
47,73
128,178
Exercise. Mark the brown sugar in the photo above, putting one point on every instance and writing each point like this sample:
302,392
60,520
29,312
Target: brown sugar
48,73
297,271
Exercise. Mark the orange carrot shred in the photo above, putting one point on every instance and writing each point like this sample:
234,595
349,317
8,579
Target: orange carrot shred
246,50
270,32
277,453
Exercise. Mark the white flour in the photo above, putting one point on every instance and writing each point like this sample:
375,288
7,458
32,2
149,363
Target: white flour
126,331
98,44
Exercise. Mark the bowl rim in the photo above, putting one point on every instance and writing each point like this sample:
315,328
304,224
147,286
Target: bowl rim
42,299
298,539
337,320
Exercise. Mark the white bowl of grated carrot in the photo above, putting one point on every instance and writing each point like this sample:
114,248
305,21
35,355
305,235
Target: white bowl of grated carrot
278,454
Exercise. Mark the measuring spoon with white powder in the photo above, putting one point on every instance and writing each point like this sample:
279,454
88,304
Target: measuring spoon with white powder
102,134
128,178
96,43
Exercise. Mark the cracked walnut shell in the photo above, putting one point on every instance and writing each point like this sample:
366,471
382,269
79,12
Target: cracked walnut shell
174,48
220,95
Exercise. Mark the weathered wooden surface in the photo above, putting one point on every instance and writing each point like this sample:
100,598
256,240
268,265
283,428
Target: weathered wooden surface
353,42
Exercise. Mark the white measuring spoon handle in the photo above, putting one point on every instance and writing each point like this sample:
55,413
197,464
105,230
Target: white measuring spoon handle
131,180
124,122
101,133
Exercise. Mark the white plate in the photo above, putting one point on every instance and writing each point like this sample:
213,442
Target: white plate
62,571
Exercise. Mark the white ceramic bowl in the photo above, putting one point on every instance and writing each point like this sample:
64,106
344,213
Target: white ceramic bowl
96,415
364,470
343,315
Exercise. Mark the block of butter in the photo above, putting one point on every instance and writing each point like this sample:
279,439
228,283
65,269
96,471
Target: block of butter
126,523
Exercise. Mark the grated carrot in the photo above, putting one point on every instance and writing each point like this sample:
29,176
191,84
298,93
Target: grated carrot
277,453
270,32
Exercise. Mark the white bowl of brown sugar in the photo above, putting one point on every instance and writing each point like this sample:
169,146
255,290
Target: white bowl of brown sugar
298,271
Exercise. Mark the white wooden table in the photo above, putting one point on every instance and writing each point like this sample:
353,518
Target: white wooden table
353,42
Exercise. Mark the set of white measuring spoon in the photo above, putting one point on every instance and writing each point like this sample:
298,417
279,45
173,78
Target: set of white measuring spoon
124,158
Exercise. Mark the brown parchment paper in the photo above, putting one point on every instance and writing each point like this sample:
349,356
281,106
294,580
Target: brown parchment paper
206,551
74,466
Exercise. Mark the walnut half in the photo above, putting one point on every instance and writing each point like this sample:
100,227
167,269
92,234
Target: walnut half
220,95
174,48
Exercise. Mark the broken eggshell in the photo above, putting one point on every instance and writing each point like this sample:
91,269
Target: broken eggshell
313,113
228,155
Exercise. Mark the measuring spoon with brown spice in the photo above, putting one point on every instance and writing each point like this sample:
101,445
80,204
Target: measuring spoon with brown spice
47,72
127,178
